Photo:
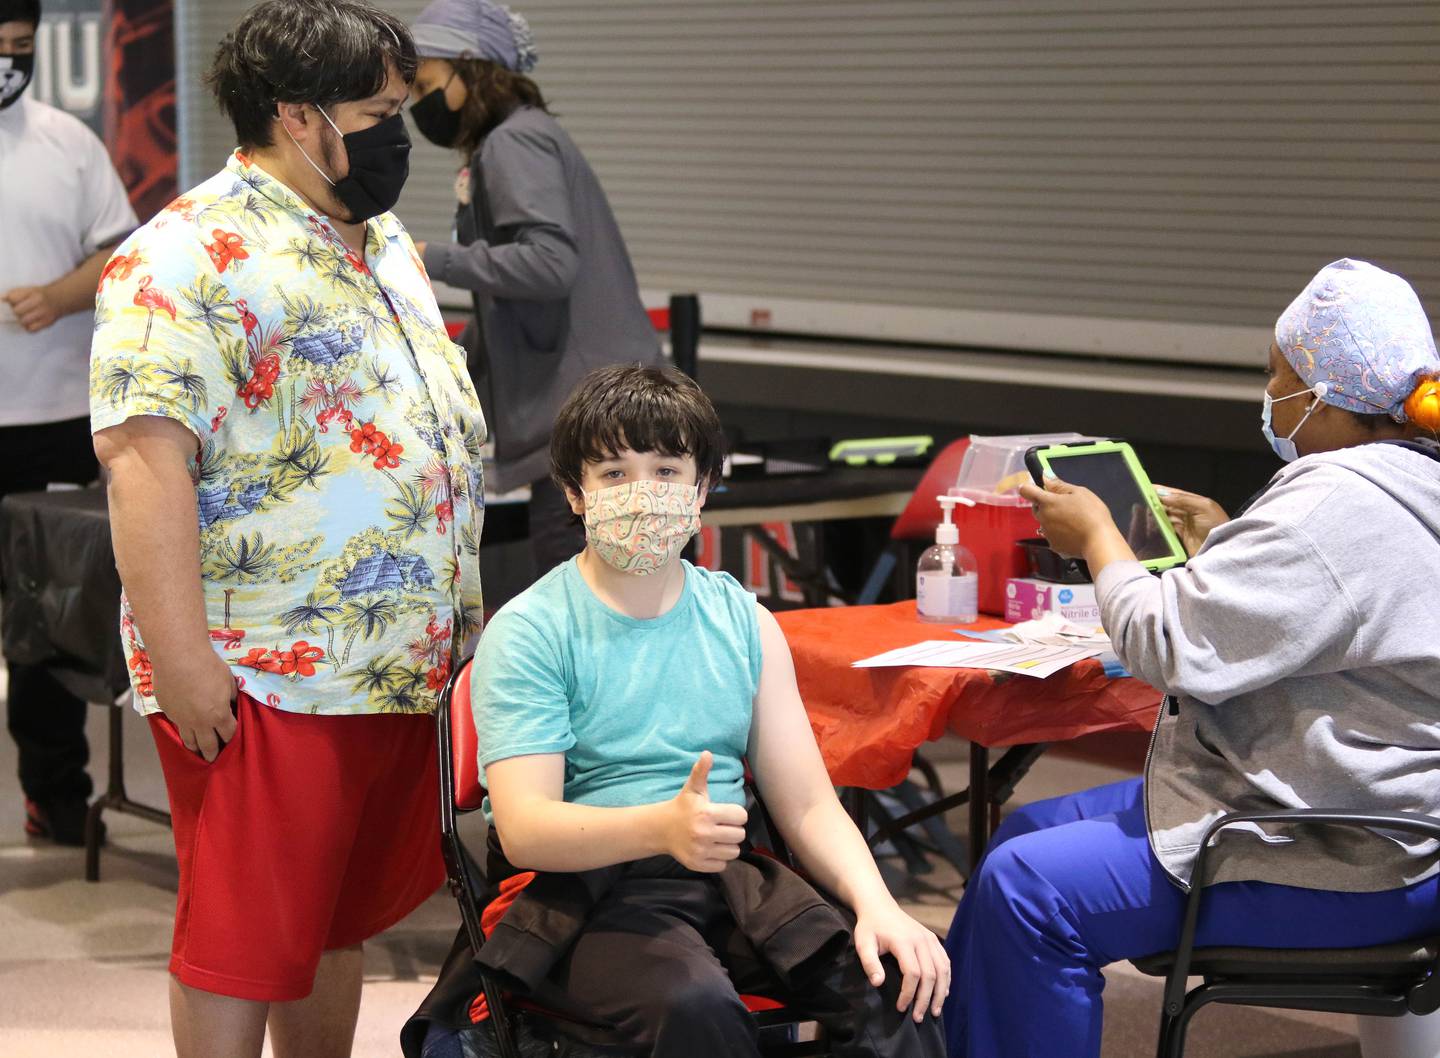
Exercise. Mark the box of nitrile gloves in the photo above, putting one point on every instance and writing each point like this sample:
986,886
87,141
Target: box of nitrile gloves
1028,599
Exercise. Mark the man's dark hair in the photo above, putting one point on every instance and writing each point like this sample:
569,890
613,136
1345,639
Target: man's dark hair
305,51
492,94
20,11
644,409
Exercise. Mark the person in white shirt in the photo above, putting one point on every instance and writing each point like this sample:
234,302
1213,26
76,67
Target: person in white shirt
62,210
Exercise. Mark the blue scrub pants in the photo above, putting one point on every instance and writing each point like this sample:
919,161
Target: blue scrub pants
1070,884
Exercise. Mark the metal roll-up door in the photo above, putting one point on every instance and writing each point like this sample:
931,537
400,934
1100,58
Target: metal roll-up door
1143,178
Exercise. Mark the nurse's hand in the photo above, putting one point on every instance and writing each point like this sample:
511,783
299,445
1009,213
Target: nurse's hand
33,307
1192,515
1075,520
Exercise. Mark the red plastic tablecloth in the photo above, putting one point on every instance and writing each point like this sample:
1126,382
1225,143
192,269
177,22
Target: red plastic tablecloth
870,721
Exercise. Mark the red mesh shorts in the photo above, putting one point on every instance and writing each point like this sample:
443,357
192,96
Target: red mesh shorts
307,834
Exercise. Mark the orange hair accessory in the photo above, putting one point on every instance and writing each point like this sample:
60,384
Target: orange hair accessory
1423,405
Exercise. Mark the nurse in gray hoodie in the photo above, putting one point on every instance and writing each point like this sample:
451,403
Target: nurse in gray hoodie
536,243
1299,650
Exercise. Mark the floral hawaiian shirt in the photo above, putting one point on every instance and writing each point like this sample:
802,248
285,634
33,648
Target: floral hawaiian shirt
338,476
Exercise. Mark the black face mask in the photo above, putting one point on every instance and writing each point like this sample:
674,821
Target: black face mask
15,74
435,120
379,165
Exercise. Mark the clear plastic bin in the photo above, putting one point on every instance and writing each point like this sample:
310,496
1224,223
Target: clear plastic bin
990,473
994,467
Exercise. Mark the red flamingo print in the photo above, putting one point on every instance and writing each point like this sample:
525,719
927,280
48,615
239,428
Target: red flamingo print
219,418
154,299
120,266
227,248
247,317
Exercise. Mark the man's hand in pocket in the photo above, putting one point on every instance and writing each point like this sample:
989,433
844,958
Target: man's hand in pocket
197,695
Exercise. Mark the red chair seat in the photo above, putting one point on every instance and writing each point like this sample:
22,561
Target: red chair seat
464,749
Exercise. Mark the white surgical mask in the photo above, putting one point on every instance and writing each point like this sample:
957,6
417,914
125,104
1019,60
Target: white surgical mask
1284,447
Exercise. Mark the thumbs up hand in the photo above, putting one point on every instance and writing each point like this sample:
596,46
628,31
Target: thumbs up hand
702,835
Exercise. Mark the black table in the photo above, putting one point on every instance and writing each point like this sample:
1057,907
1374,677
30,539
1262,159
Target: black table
61,610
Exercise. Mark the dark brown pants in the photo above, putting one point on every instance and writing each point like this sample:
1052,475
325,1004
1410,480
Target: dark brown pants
662,961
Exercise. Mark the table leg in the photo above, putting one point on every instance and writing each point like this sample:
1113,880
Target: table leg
814,583
114,797
979,802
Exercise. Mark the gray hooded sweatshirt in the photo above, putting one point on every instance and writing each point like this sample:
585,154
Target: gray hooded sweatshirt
555,293
1301,646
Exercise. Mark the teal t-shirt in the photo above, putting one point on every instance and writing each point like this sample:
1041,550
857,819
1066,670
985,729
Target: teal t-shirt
630,703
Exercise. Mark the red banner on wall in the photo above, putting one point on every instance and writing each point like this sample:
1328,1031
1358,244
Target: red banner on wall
111,63
139,105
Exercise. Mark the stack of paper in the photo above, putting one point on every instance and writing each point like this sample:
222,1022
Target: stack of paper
1055,630
1023,659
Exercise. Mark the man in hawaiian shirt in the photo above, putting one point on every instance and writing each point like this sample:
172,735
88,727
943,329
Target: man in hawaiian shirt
295,497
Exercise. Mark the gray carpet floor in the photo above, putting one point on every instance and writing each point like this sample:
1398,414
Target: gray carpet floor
82,966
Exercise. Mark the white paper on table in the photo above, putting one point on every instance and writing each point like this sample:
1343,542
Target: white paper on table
1023,659
1053,629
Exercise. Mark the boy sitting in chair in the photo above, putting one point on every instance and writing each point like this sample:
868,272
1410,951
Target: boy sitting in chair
616,702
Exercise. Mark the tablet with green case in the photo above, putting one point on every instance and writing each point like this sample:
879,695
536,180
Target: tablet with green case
1111,470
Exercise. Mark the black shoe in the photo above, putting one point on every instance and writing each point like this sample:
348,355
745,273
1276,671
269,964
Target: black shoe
61,820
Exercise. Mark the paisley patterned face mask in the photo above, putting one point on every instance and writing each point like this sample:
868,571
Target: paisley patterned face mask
639,526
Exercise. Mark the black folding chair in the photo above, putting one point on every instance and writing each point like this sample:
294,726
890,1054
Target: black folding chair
1385,980
461,791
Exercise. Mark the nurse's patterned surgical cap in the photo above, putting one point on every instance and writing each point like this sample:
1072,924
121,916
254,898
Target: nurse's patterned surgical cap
1361,331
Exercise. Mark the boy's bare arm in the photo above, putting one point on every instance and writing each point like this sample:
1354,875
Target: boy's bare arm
540,831
793,781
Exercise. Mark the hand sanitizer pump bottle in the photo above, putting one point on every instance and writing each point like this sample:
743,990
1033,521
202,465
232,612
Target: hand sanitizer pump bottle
947,580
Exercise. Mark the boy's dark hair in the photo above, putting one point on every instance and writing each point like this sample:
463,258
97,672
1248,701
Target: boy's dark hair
645,409
20,11
492,94
305,51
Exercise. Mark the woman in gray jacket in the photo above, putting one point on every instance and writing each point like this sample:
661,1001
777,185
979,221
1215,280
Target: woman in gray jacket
535,242
1298,648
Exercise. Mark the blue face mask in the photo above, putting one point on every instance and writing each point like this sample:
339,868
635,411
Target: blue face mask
1284,447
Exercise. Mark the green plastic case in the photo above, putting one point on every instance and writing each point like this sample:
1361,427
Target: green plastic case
1052,459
